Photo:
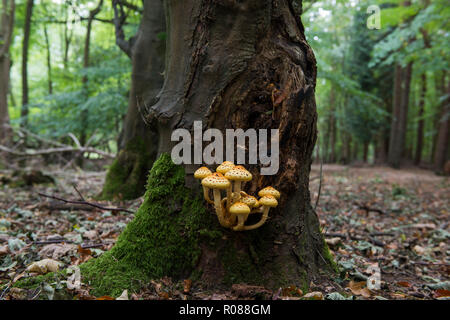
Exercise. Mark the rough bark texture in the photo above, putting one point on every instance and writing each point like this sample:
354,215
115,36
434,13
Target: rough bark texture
225,62
127,175
6,28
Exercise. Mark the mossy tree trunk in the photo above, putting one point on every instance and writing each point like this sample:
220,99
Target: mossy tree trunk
137,143
223,57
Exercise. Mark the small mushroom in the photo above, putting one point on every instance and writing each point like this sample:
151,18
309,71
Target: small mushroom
202,173
223,169
241,210
269,191
238,174
217,182
267,202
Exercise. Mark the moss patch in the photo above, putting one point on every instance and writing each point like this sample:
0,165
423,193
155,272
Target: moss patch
162,239
127,174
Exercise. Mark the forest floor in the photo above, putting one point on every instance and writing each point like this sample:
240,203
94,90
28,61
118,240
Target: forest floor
372,217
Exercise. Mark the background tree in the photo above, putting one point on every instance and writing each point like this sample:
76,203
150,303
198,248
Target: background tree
137,143
6,31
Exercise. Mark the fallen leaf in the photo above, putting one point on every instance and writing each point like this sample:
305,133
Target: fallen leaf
439,293
105,298
405,284
123,296
44,266
359,289
187,285
316,295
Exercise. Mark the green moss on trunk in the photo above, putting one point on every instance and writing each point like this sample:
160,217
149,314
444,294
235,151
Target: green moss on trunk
162,239
127,174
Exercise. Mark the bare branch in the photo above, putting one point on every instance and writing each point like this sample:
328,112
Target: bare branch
95,205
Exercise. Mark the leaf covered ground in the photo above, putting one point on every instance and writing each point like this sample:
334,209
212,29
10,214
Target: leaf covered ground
378,222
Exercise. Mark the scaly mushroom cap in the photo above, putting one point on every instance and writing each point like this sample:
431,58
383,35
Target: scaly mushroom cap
216,181
251,201
269,191
238,174
202,172
268,201
239,208
225,167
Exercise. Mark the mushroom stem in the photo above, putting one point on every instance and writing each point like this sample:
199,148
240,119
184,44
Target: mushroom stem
241,220
229,197
237,189
218,207
206,195
264,217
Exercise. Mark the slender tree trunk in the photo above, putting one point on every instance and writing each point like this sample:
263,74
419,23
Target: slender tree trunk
49,61
6,29
442,143
137,144
222,58
365,151
421,124
402,81
85,79
25,49
332,127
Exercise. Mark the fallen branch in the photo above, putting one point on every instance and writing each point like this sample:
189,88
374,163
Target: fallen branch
95,205
347,236
56,150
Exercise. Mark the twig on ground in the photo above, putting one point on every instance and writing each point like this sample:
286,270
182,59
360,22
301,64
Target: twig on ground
95,205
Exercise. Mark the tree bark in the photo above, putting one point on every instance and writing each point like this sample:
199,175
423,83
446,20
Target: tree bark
442,142
25,47
6,29
49,61
87,44
402,81
332,127
137,143
222,57
421,123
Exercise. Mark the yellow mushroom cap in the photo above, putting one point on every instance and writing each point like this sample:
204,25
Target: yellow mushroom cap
216,181
238,174
268,201
269,191
225,167
240,208
251,201
202,172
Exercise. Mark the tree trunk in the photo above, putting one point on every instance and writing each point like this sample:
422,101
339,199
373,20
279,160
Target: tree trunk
365,151
49,61
332,127
127,175
222,58
25,47
6,29
442,142
86,53
402,81
421,124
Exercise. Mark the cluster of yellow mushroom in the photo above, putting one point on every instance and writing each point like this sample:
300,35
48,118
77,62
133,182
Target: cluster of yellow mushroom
233,210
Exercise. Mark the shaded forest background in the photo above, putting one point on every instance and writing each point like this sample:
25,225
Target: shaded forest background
382,95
